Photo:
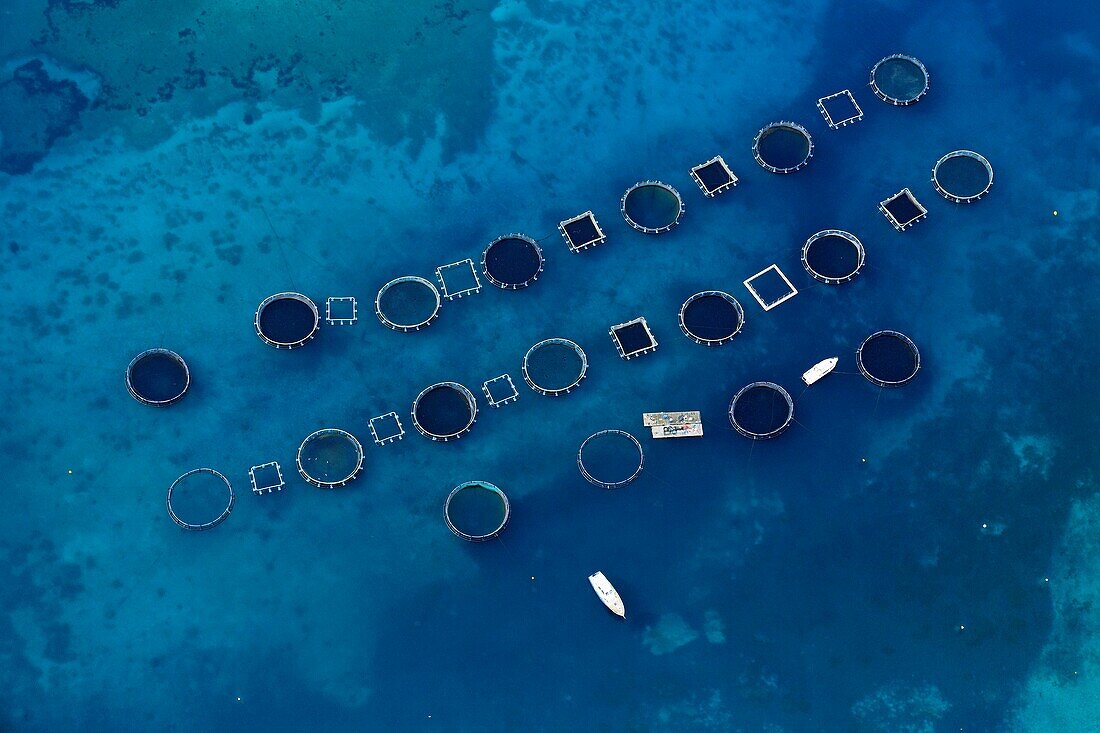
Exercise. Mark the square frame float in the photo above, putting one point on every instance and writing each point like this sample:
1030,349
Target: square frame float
836,124
458,279
791,289
714,177
500,390
386,428
633,338
266,477
582,232
340,315
903,205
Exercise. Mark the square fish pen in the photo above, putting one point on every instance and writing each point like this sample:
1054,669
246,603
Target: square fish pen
458,279
343,311
840,109
770,287
633,338
582,232
386,428
266,477
902,210
713,177
500,391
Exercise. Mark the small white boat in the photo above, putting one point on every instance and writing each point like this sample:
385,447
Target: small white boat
607,593
819,370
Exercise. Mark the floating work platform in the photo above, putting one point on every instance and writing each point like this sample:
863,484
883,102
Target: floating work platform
711,317
652,207
555,366
500,391
458,279
582,232
833,256
902,210
713,177
683,430
783,147
962,176
477,511
266,477
341,311
513,262
888,359
610,458
633,338
444,411
216,485
407,304
287,320
840,109
770,287
761,410
330,458
386,428
158,377
900,80
674,424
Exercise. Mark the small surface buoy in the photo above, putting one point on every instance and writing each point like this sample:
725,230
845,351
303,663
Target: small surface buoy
1056,212
70,472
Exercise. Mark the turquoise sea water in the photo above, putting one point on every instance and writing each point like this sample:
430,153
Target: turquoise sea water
920,559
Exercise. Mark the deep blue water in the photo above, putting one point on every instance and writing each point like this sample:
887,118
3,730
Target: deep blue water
918,559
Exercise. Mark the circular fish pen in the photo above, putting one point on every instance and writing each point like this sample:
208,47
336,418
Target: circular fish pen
610,458
833,256
962,176
711,317
158,377
476,511
512,262
444,411
652,207
783,147
200,499
554,367
761,410
900,80
407,303
888,359
287,320
329,458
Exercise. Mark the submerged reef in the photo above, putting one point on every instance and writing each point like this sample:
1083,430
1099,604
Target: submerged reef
35,110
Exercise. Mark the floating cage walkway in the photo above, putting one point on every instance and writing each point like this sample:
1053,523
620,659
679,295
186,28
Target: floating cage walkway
341,311
513,262
788,290
711,317
783,147
287,320
713,177
444,411
158,377
458,279
652,207
544,363
900,80
611,442
962,176
833,256
582,232
633,338
500,391
469,504
407,304
840,109
888,359
902,210
386,429
330,458
761,410
209,524
266,477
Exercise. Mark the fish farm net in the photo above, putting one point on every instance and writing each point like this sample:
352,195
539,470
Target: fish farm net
711,317
833,256
903,210
512,262
554,367
783,147
158,377
610,458
200,499
477,511
761,410
287,320
330,457
582,232
888,359
962,176
900,80
444,411
652,207
407,303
